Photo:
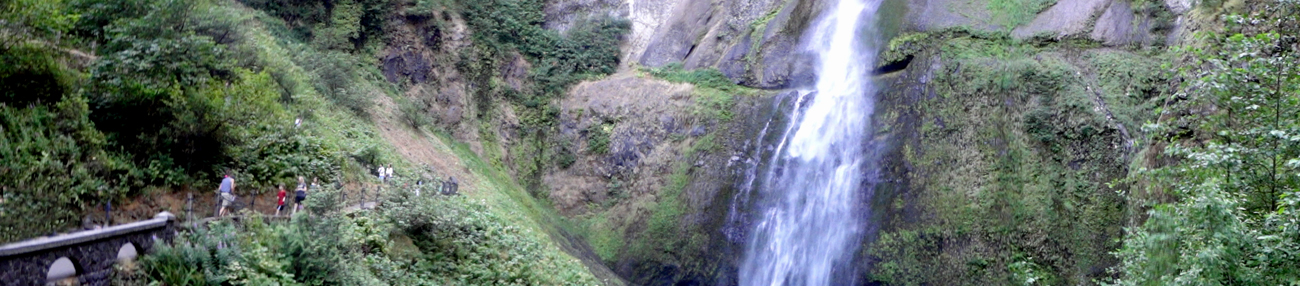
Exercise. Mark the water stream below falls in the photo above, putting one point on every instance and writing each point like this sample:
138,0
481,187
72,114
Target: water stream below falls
809,220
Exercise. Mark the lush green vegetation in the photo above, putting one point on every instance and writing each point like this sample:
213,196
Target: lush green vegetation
134,93
104,98
1225,212
506,29
1027,180
1021,173
428,240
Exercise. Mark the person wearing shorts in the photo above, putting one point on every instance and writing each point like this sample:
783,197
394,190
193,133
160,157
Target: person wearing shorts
226,190
300,194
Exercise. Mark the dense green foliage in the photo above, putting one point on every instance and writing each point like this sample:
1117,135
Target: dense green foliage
350,25
104,98
1235,184
503,28
429,240
54,164
55,161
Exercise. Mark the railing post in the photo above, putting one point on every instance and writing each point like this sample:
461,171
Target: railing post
216,208
189,206
108,213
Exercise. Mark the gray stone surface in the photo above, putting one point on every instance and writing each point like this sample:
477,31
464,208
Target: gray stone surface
1115,24
92,253
721,34
1120,26
679,36
1067,17
928,15
562,14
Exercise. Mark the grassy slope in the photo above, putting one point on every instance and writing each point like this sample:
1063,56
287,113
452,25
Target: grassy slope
505,196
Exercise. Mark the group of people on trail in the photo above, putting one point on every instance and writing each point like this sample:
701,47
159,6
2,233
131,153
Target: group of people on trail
299,195
227,189
385,173
386,177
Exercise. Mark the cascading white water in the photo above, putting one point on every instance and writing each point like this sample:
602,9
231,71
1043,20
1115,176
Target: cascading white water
809,225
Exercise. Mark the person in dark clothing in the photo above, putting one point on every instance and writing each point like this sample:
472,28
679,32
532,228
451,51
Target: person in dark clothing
300,194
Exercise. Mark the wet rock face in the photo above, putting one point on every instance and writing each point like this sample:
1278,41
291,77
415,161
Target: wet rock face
563,14
681,36
407,65
1067,17
638,116
755,43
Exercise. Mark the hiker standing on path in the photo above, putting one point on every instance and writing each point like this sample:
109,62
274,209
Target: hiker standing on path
380,170
300,194
390,171
226,190
279,200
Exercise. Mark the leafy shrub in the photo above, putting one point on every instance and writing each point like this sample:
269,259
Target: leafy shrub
502,27
45,16
337,78
413,113
455,241
338,25
1235,219
426,8
462,241
158,88
598,139
202,257
30,73
279,155
54,164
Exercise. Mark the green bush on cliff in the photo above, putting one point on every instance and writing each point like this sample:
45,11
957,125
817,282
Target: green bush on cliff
504,31
714,92
503,27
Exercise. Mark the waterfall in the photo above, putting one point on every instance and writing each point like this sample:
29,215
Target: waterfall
810,218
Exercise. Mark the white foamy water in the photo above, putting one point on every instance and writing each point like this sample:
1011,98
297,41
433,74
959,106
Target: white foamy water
809,224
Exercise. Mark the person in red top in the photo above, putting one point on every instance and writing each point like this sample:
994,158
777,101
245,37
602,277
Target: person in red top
279,198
